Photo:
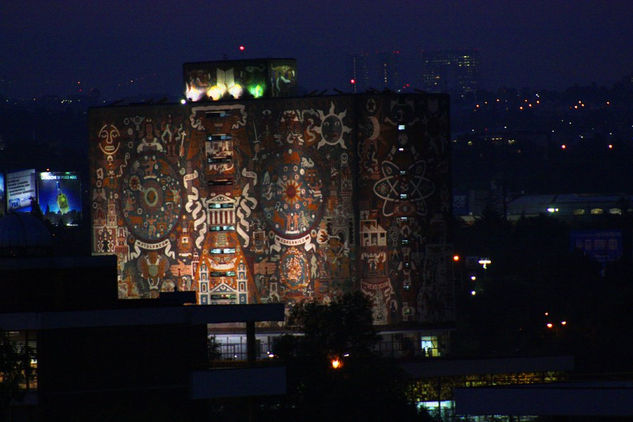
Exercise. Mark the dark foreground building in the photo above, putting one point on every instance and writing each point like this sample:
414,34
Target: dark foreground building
87,356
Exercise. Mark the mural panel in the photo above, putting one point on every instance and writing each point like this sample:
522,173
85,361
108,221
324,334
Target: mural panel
404,192
278,200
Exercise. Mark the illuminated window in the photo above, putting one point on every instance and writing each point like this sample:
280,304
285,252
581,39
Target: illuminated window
403,196
211,160
428,345
401,127
219,137
216,113
597,211
579,211
615,211
221,228
222,273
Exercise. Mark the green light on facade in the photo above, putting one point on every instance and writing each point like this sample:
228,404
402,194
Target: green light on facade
256,90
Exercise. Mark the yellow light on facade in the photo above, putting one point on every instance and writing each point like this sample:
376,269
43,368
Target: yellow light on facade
193,93
336,363
216,91
236,91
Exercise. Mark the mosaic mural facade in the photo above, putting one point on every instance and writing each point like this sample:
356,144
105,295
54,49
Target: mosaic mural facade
278,200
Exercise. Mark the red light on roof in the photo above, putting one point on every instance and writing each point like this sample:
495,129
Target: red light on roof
352,81
242,48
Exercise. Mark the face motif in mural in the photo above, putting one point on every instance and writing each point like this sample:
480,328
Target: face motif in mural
332,128
150,198
109,139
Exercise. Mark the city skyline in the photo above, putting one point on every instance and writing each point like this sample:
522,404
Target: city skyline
550,45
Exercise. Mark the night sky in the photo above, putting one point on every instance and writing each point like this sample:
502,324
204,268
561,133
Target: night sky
47,46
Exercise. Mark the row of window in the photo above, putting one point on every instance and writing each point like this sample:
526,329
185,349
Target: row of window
221,205
211,160
222,250
221,228
219,137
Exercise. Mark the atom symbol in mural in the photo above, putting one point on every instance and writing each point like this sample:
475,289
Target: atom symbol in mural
332,128
408,185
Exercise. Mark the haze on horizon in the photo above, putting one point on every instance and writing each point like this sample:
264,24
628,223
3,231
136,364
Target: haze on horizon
47,47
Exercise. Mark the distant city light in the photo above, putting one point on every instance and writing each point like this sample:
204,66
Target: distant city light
563,146
546,313
563,323
550,325
473,293
610,146
336,363
456,258
484,262
183,101
473,278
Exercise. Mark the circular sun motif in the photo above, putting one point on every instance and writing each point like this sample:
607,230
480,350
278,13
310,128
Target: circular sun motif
292,194
332,128
150,198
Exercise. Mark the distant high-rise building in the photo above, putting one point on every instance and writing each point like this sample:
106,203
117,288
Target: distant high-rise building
360,72
379,71
389,70
451,71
